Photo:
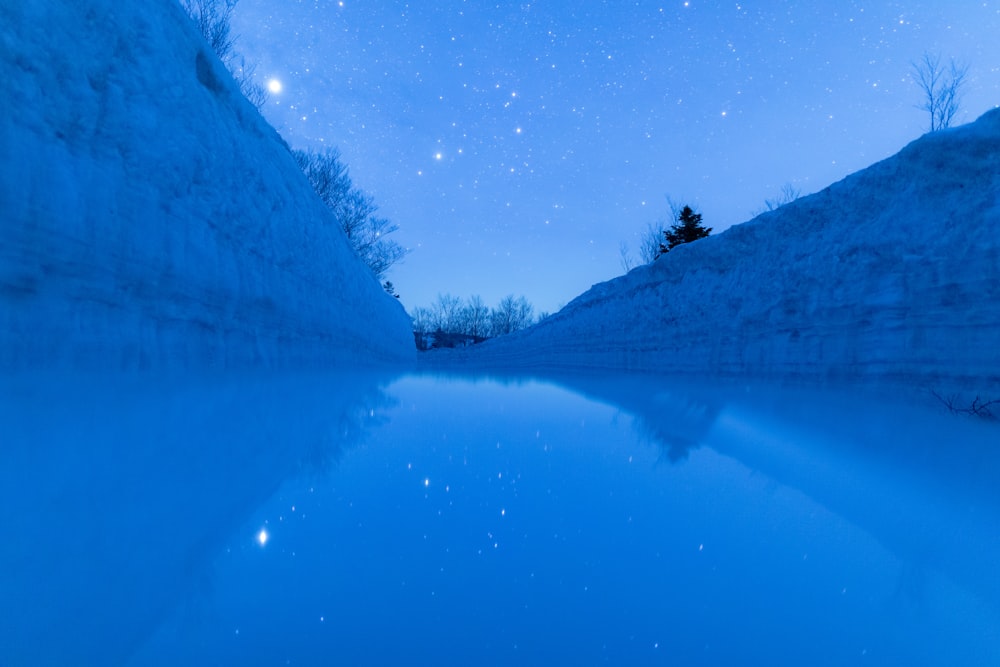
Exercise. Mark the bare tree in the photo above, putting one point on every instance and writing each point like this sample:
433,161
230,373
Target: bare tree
214,21
423,320
625,257
448,313
787,195
652,237
245,75
379,252
423,326
354,210
511,315
476,317
327,174
449,318
941,88
650,240
213,18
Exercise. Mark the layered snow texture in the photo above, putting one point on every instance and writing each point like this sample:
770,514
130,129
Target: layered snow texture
892,273
151,217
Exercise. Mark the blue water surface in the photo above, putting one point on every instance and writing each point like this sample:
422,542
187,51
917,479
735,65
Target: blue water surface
434,520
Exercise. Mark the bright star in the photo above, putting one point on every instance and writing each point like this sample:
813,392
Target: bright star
274,85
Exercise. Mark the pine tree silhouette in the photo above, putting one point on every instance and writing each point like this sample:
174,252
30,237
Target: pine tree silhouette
688,228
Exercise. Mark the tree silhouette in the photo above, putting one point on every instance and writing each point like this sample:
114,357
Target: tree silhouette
941,88
213,19
353,210
787,195
688,228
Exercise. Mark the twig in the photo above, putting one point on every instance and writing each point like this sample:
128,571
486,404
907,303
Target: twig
982,408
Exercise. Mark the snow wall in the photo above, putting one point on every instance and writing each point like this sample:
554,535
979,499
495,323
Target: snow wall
150,217
892,273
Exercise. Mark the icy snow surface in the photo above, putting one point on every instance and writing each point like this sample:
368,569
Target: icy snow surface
151,217
892,273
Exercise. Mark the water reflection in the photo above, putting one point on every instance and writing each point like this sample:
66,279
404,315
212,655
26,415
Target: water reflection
919,479
578,519
119,492
676,418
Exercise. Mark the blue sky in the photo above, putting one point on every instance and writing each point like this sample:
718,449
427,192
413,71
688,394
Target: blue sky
517,144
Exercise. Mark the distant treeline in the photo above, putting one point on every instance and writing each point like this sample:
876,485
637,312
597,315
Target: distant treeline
454,322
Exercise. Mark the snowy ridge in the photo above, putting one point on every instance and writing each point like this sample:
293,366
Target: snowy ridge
891,273
151,217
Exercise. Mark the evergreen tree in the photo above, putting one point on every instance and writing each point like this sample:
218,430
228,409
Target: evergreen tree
688,228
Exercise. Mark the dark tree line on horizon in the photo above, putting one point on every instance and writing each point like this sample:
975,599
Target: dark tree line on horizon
452,321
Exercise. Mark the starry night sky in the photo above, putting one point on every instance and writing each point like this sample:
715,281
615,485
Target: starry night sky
517,144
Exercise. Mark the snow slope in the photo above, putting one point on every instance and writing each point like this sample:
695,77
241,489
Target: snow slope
151,217
892,273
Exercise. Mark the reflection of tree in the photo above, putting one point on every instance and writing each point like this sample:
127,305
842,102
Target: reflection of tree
911,587
674,446
676,421
349,429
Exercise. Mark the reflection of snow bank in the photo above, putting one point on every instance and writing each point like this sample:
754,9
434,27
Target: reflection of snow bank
894,271
150,216
119,493
922,483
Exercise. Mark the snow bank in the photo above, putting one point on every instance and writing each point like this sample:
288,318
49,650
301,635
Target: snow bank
151,217
892,273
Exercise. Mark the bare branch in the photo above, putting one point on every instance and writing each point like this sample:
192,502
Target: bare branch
650,241
353,210
979,407
213,18
787,195
243,72
625,257
940,88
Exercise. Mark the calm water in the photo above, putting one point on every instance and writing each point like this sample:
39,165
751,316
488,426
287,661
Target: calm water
444,521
